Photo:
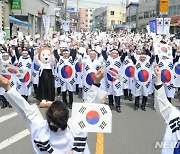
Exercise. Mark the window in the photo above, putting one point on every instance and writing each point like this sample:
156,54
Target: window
178,9
133,18
112,12
112,22
172,10
146,14
141,15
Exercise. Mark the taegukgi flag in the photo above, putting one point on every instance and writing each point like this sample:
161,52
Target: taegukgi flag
90,117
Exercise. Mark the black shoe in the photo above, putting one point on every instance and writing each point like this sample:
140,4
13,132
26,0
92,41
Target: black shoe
70,106
130,97
118,109
111,107
3,106
126,98
136,108
76,93
143,108
9,106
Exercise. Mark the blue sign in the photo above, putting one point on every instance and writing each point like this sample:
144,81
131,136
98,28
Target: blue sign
71,9
82,23
153,26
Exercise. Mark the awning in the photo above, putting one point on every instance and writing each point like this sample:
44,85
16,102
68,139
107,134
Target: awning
19,22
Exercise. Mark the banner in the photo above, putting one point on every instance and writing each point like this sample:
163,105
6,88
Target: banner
153,26
89,117
46,24
163,6
65,25
160,24
16,4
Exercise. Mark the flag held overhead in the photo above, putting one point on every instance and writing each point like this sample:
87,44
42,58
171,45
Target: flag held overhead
90,117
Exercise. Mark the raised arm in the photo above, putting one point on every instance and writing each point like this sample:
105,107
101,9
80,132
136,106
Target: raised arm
21,106
161,102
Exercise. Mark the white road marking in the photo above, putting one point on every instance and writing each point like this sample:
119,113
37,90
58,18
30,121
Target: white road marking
7,117
20,135
14,139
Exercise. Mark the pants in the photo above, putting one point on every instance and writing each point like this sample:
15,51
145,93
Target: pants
35,88
111,99
126,94
58,90
70,97
4,101
144,101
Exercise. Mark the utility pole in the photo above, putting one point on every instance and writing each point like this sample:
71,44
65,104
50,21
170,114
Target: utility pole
1,12
65,13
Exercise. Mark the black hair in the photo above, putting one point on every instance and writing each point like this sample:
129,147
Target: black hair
57,116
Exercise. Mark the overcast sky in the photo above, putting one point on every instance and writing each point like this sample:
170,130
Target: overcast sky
95,3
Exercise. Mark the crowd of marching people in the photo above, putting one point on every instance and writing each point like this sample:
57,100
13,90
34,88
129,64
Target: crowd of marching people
127,58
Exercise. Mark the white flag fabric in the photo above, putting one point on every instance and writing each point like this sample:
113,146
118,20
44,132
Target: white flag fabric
90,117
166,25
163,50
65,25
160,29
8,69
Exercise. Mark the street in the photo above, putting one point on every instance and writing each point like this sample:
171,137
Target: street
134,132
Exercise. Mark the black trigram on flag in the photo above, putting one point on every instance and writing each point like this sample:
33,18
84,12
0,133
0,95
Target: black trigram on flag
71,61
44,146
28,65
20,65
18,86
170,86
161,64
148,84
34,74
82,109
72,81
118,64
5,66
124,80
108,85
81,124
56,78
62,82
175,77
103,125
153,76
87,68
103,110
175,124
85,89
138,66
29,85
148,65
98,67
126,62
12,84
3,71
18,75
61,62
118,85
170,66
20,71
137,85
107,63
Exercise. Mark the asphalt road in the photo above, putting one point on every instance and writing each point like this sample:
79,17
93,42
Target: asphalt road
134,132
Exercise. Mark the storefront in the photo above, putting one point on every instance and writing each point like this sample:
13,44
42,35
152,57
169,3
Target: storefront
175,24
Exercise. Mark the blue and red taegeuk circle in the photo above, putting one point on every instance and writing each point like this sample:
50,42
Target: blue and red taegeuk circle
90,78
177,69
164,49
78,67
92,117
26,78
36,67
66,71
129,72
143,75
165,76
113,72
6,76
12,70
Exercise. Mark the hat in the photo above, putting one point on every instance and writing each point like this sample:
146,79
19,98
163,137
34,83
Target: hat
93,51
66,51
114,50
5,54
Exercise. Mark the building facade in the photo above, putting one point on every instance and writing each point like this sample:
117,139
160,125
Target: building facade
108,17
85,18
148,10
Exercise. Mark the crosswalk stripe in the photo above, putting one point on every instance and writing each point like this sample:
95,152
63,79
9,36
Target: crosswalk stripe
7,117
14,139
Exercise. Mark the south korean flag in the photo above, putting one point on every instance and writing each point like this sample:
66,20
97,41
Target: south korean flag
88,117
